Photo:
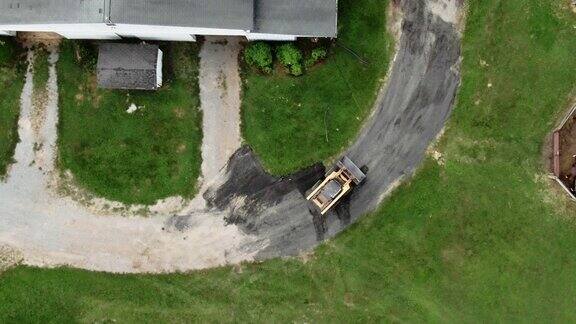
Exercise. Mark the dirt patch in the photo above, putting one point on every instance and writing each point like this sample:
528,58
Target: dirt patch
566,142
79,97
51,41
446,10
454,255
40,98
450,11
39,102
306,256
394,20
9,257
181,148
179,113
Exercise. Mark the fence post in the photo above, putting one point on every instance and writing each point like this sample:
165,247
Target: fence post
556,147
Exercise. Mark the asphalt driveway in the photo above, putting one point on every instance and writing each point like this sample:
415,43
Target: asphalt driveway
244,214
410,112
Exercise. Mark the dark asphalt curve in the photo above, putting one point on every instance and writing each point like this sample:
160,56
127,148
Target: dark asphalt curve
410,112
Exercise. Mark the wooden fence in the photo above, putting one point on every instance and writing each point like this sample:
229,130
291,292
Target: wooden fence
557,151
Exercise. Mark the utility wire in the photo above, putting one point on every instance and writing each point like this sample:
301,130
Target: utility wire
349,50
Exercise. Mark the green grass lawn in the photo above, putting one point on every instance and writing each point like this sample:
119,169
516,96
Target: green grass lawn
150,154
476,240
11,82
293,122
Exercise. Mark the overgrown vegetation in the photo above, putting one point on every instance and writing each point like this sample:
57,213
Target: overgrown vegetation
481,238
11,82
259,55
317,55
290,57
136,157
294,122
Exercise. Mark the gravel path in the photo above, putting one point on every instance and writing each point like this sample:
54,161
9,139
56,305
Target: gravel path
250,215
220,97
49,230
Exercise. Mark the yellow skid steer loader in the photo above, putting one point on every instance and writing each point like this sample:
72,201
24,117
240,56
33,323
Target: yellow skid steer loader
338,183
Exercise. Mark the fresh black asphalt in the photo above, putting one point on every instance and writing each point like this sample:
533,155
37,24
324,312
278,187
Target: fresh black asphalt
410,112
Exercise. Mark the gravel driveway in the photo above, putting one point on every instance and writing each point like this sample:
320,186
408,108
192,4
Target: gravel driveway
250,214
47,229
220,96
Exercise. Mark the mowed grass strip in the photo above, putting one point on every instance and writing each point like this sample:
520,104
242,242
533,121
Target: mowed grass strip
478,239
133,158
293,122
12,64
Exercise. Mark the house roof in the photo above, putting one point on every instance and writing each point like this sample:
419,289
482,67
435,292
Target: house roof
127,66
289,17
51,11
296,17
227,14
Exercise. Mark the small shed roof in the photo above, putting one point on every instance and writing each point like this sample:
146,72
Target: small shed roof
127,66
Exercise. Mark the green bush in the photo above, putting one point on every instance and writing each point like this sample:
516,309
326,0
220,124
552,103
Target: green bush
291,57
86,54
259,55
317,55
296,69
289,54
7,51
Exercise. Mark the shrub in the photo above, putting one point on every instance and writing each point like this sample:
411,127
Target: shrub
86,54
296,69
291,57
288,54
259,55
317,55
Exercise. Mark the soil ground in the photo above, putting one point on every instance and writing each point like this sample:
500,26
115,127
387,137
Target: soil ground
567,151
50,41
